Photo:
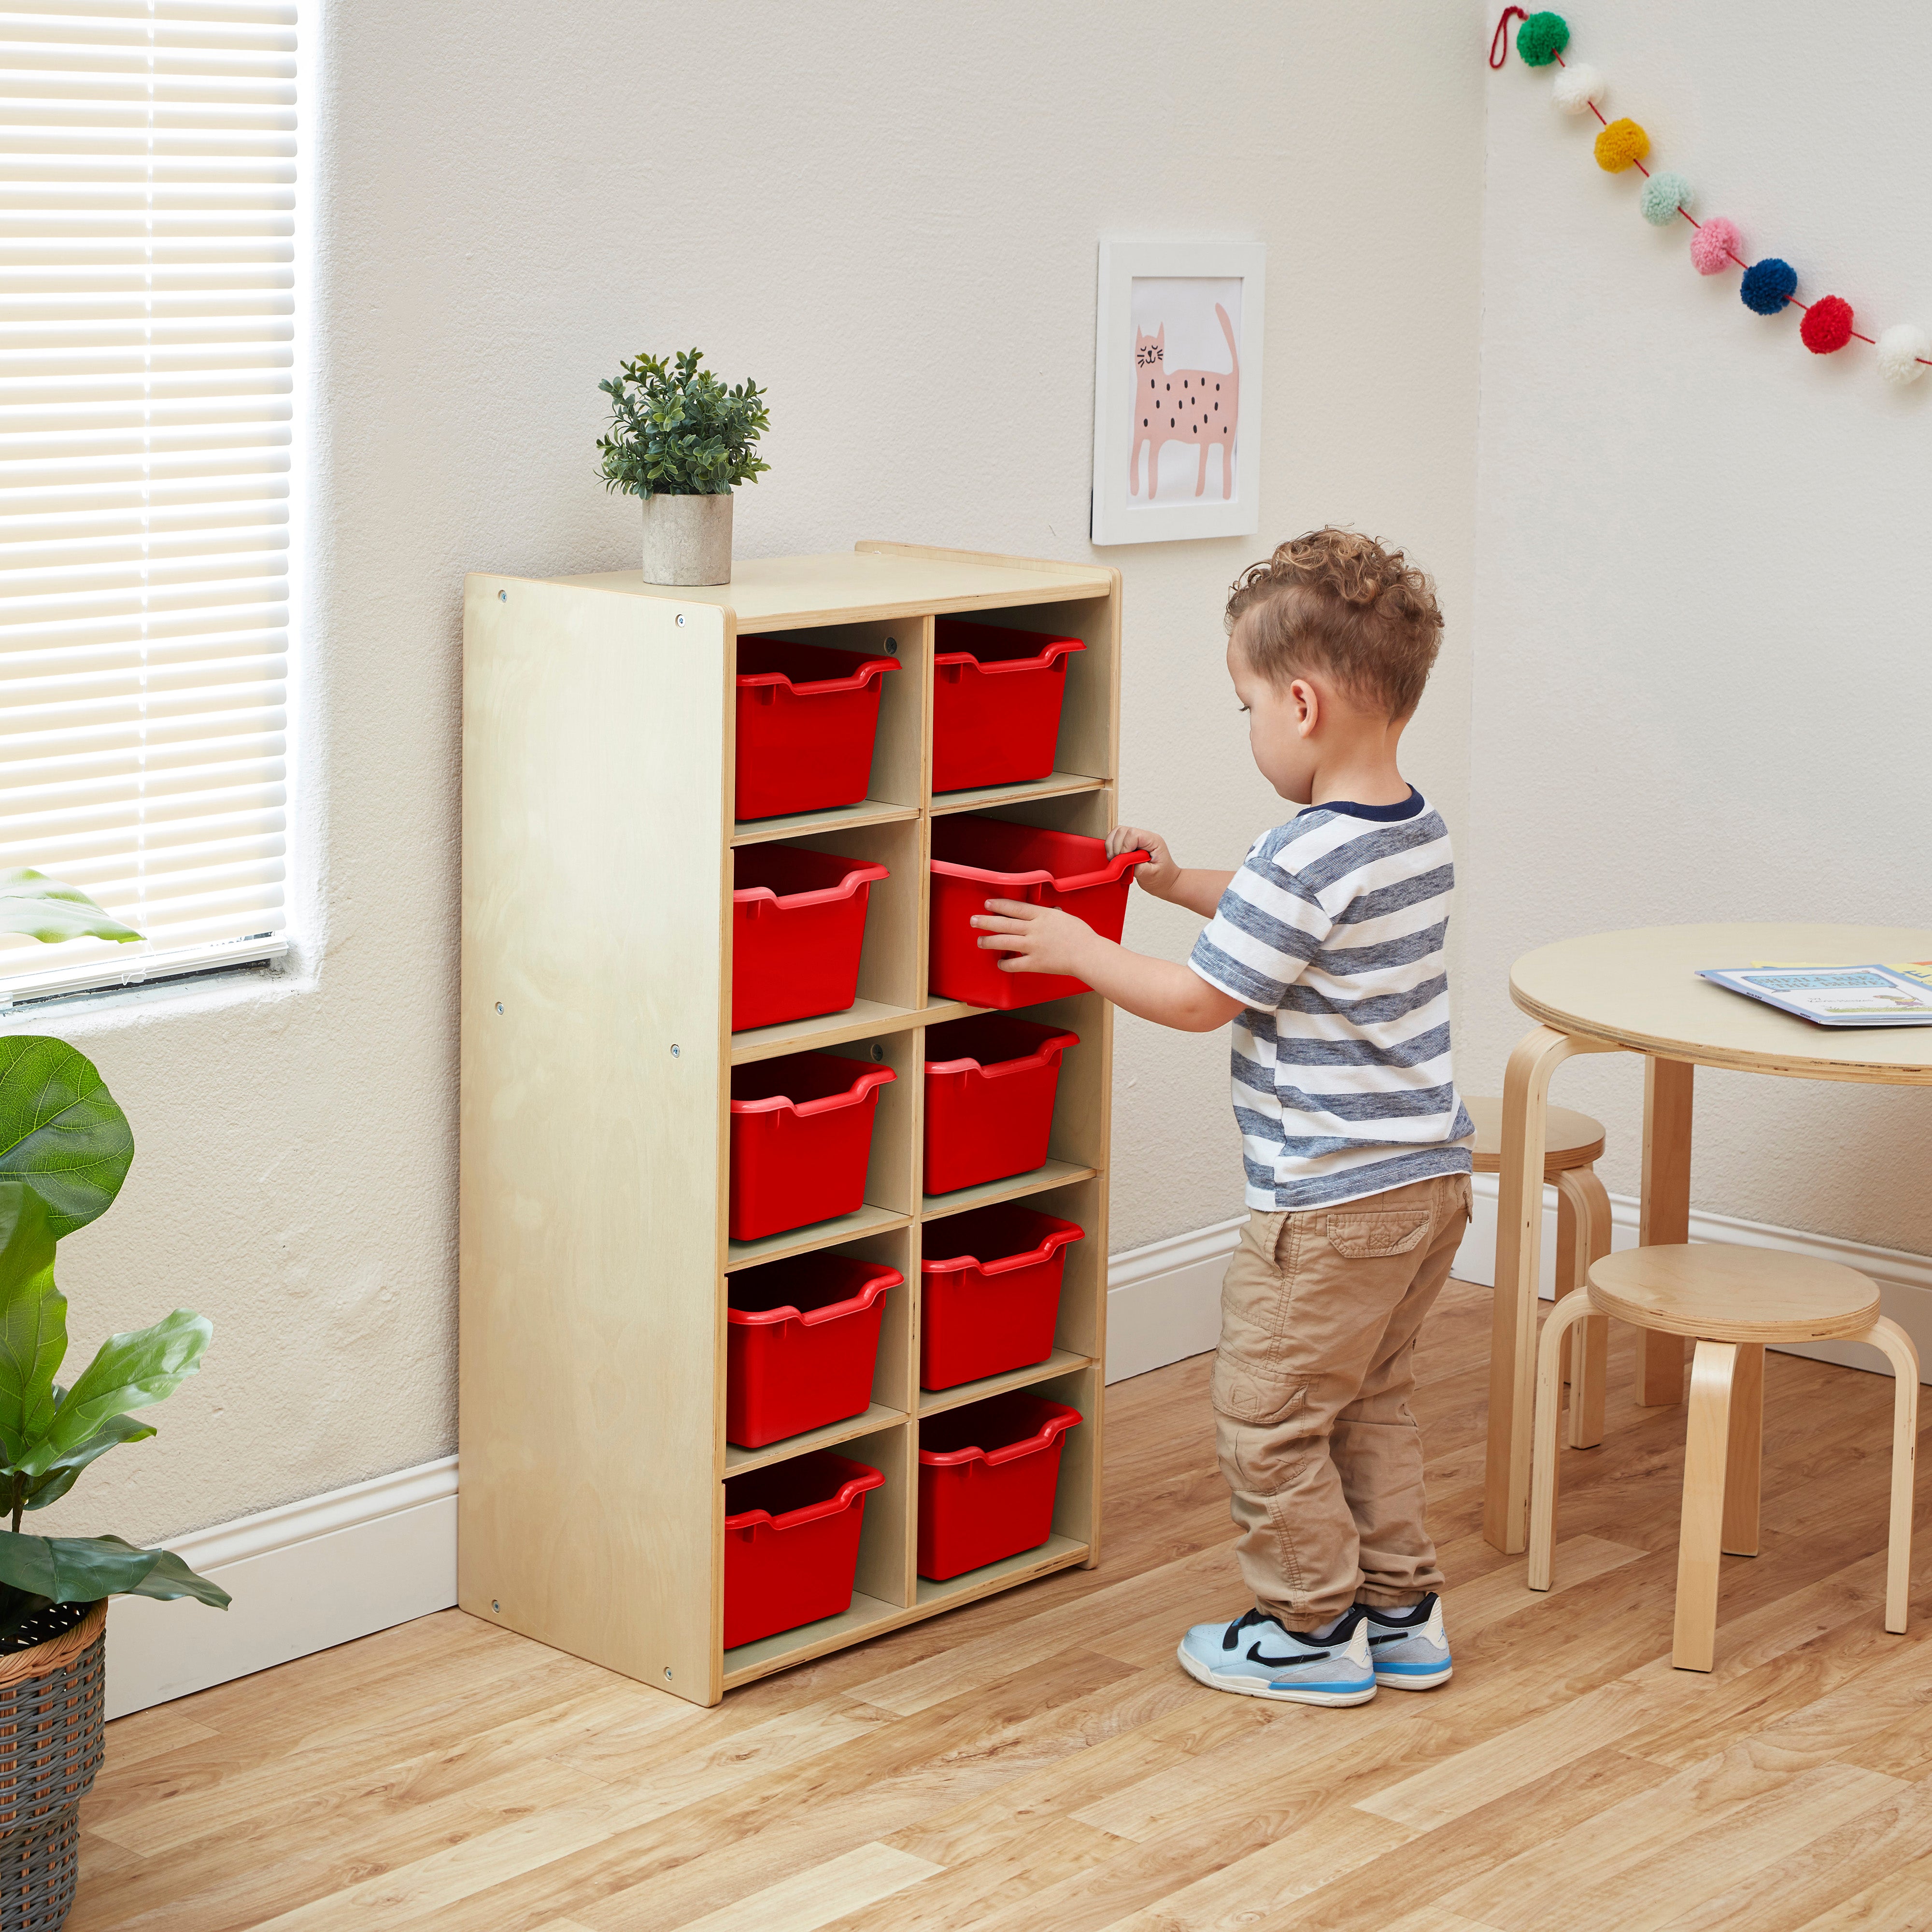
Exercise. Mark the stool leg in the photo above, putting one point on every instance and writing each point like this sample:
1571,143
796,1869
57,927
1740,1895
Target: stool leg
1898,1345
1567,1279
1563,1317
1694,1640
1743,1455
1587,1366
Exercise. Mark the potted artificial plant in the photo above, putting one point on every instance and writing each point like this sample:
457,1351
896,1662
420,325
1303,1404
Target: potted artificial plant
682,441
65,1147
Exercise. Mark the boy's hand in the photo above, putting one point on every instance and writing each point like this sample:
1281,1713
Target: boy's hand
1160,874
1038,939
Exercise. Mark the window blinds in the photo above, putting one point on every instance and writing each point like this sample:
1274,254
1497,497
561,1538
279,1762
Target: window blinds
147,212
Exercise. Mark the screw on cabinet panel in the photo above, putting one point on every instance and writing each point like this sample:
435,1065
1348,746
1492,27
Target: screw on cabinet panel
878,1051
502,597
673,1053
667,1673
892,646
680,617
499,1006
496,1606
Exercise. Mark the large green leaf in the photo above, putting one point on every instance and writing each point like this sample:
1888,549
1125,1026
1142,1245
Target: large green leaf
127,1372
84,1569
44,908
61,1131
33,1320
62,1477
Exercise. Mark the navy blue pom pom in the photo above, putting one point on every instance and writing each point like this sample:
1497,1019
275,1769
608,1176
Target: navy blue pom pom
1768,285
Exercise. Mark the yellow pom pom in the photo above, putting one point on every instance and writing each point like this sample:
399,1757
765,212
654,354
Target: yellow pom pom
1621,143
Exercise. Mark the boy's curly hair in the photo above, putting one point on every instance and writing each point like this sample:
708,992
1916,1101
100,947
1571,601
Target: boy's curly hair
1335,601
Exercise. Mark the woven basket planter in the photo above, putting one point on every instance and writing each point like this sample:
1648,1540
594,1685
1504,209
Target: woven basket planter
52,1737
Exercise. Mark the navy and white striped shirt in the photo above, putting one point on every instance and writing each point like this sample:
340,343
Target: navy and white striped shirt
1331,935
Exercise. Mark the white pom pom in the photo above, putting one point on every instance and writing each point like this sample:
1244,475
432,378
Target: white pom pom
1576,87
1899,349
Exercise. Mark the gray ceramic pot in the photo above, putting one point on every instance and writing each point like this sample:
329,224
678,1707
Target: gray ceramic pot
687,539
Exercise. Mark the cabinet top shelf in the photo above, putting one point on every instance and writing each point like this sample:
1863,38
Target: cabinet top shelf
874,580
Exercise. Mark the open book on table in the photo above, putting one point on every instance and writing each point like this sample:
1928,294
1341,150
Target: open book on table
1896,994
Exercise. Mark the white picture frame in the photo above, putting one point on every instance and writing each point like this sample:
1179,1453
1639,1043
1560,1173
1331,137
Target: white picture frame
1172,316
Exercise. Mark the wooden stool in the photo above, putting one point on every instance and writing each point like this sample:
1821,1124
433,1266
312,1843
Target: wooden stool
1571,1143
1732,1301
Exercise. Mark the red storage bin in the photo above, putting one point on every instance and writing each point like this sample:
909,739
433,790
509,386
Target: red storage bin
975,859
791,1543
807,716
986,1477
798,924
801,1136
989,1292
990,1083
802,1337
996,698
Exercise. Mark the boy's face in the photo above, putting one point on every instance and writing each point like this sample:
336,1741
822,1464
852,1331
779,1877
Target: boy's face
1282,723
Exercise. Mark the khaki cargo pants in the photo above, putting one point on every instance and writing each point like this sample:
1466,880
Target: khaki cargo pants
1319,1314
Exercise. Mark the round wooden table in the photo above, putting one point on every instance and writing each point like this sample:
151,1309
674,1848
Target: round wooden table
1638,992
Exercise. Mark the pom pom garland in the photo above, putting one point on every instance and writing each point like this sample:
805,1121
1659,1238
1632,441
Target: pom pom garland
1664,194
1903,350
1767,286
1827,325
1621,143
1713,245
1576,87
1541,37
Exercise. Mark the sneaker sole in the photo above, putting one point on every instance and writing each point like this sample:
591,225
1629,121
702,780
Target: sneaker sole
1257,1687
1407,1680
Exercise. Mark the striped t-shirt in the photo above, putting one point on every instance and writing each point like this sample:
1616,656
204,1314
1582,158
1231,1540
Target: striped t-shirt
1331,936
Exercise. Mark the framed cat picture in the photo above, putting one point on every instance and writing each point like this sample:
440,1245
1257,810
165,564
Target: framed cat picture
1177,391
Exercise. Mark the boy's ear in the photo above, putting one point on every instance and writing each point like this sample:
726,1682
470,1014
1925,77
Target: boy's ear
1307,701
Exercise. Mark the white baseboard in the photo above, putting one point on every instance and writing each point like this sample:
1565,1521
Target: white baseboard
1163,1300
304,1578
313,1574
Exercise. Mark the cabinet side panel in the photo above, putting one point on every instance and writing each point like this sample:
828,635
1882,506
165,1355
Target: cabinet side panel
596,770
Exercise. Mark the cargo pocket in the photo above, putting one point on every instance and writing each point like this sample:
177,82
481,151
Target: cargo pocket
1387,1230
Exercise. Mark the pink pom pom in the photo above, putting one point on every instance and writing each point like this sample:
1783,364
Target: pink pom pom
1712,246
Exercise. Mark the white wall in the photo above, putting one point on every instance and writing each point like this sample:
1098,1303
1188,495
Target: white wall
891,221
1701,681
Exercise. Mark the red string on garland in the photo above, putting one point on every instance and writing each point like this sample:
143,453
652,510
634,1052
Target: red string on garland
1499,54
1499,41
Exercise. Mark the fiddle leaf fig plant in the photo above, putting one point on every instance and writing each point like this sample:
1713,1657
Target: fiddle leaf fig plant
49,1434
44,908
676,431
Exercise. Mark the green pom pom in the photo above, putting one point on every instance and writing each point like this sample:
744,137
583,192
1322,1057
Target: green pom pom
1541,38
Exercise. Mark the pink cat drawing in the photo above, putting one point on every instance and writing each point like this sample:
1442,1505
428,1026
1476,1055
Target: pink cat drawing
1202,407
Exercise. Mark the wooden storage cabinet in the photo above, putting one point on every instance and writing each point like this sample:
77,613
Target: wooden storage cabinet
598,727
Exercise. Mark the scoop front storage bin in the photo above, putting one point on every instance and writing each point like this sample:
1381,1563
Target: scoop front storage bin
798,926
802,1337
990,1083
989,1292
807,717
801,1135
791,1543
976,858
996,699
987,1475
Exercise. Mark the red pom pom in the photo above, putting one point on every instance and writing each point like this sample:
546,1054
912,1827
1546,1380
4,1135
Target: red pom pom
1827,325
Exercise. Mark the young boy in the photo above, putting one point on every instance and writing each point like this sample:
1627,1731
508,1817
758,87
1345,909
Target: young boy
1326,950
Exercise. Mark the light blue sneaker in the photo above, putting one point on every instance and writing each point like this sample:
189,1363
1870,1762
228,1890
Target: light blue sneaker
1255,1656
1409,1649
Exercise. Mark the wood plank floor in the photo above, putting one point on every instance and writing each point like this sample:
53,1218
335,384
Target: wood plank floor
1038,1763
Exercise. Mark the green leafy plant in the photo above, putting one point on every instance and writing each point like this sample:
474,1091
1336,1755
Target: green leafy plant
65,1148
49,1434
676,431
44,908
